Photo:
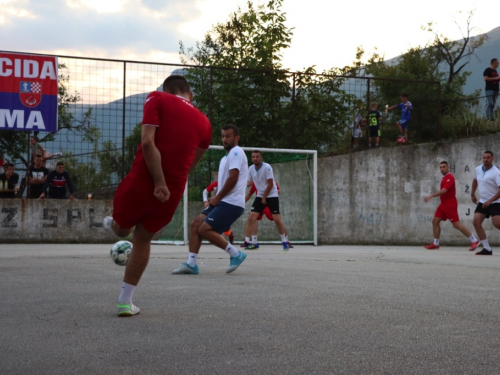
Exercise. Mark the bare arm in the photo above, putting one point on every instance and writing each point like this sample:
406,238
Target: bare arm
487,79
198,154
152,158
228,186
436,194
490,201
270,184
473,191
248,196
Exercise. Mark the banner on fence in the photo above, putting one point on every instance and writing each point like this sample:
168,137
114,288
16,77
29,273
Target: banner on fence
28,92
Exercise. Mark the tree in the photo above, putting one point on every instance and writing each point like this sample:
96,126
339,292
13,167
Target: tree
442,61
241,80
250,87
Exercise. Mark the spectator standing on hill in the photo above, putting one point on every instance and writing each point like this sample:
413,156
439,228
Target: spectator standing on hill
491,79
406,108
374,121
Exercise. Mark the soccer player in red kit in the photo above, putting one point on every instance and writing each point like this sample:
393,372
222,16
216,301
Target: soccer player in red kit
448,209
175,135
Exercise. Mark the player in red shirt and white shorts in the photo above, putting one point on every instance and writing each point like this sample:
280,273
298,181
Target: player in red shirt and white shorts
175,135
448,209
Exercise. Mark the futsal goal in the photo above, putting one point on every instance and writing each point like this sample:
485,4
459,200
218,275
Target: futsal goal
295,171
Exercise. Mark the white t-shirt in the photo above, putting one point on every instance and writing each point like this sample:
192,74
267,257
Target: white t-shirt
235,159
260,176
488,183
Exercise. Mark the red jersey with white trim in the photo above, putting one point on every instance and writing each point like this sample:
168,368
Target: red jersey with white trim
449,198
181,129
212,186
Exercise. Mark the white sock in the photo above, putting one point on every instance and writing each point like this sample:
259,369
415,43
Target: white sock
486,245
472,238
247,239
231,250
126,294
283,237
286,238
436,241
192,259
254,240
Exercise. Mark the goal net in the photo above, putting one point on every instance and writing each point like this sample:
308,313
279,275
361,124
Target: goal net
295,171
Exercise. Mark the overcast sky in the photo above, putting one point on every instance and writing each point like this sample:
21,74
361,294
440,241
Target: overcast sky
326,33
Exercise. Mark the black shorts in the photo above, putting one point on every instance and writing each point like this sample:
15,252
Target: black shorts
492,210
272,203
374,131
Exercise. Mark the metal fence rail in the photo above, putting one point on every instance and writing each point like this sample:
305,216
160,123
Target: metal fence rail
298,110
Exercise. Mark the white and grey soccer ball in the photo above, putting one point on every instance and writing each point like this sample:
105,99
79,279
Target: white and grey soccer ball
120,252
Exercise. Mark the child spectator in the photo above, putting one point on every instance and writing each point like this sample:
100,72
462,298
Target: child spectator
374,122
406,107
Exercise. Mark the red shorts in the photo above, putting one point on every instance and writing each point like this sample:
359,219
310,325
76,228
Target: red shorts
134,204
447,213
266,212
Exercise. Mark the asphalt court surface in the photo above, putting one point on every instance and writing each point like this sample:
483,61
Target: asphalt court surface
311,310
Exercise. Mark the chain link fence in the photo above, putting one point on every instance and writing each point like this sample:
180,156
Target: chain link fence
274,109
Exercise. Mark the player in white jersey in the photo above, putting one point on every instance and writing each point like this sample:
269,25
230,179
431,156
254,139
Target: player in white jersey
487,181
224,208
261,174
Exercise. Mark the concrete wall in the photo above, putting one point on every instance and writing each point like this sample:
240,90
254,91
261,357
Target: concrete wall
376,196
368,197
53,220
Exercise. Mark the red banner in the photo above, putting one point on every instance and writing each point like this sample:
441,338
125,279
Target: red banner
28,92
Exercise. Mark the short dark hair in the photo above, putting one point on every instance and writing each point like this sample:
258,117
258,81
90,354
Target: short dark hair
256,152
444,162
493,61
404,95
38,156
59,163
176,85
236,131
8,165
488,152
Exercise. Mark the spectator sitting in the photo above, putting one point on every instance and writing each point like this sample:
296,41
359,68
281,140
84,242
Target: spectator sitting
37,149
9,182
56,182
36,177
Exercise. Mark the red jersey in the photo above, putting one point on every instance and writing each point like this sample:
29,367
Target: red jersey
181,129
448,183
212,186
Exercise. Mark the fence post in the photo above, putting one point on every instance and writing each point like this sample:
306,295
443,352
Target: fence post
123,116
368,106
211,95
292,122
439,130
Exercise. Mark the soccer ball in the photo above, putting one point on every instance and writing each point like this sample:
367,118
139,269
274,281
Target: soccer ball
400,140
120,252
